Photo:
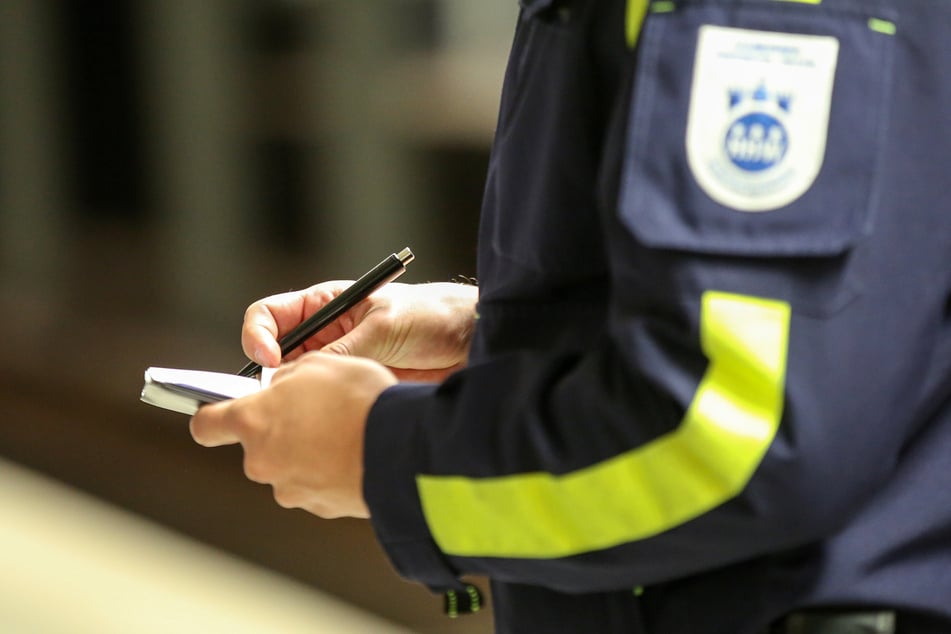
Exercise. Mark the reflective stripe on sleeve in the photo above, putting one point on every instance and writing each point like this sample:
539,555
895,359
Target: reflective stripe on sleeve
707,460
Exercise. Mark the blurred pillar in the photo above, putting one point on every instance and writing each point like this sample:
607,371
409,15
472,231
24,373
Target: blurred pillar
481,28
373,187
32,198
198,131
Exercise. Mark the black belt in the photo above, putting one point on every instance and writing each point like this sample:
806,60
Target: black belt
836,622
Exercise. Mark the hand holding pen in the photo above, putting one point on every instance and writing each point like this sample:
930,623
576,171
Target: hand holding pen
386,271
417,332
421,332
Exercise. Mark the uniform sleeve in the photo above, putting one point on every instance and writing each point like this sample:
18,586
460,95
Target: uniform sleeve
763,356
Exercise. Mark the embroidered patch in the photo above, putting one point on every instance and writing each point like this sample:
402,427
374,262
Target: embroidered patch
759,114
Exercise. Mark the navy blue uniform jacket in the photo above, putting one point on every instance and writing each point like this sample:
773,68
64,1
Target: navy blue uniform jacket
711,375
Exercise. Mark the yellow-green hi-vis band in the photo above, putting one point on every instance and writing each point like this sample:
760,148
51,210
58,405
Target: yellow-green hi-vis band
706,461
637,9
633,20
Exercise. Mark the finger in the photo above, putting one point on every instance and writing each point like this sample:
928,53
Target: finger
259,335
287,367
289,496
214,426
266,320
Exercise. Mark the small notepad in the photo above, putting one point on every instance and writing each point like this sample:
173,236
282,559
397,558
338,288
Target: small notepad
186,390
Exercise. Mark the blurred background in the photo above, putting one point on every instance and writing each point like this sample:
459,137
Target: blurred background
163,163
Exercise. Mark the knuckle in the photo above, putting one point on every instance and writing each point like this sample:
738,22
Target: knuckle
257,469
244,422
208,429
339,348
312,361
287,498
254,311
196,428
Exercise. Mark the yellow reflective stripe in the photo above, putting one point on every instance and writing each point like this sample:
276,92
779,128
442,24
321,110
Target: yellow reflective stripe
634,20
706,461
882,26
636,9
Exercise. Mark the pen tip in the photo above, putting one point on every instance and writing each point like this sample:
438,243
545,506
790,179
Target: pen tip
406,256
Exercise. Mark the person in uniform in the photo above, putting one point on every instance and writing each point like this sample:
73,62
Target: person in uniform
703,385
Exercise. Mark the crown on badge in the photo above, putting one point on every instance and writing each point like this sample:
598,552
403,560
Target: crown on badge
760,94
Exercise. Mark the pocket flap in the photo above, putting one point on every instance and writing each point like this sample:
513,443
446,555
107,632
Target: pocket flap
756,129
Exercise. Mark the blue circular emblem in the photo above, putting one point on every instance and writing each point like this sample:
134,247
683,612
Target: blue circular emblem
756,141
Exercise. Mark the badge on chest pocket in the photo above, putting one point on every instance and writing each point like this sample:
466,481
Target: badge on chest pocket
755,129
759,114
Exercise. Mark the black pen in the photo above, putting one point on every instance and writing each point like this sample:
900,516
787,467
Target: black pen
384,272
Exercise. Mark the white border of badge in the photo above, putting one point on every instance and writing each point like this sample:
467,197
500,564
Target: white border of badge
759,114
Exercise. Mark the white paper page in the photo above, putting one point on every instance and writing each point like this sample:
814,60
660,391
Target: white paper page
160,384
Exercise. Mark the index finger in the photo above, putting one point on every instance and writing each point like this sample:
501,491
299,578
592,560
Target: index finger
268,319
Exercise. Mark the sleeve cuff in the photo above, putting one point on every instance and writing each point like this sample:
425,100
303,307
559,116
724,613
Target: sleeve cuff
393,448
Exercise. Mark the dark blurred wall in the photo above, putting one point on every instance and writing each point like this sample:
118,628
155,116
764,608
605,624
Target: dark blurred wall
104,109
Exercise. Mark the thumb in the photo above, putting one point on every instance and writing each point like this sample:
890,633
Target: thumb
211,426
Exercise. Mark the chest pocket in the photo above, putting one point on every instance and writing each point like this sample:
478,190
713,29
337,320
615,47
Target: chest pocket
756,127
